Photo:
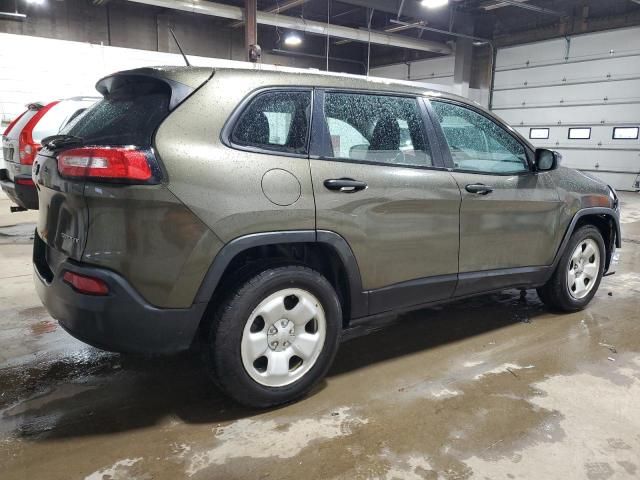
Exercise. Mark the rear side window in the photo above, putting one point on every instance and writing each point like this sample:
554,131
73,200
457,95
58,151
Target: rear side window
376,128
129,115
277,120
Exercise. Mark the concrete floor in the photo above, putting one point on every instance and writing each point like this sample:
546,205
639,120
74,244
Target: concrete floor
488,388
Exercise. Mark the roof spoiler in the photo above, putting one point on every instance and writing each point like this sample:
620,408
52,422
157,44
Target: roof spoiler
182,82
35,106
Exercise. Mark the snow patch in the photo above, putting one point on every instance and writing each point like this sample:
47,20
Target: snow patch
445,393
507,367
117,471
268,438
472,364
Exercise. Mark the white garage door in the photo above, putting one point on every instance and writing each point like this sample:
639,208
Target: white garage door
580,96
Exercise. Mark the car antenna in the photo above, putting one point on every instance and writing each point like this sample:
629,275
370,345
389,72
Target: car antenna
186,60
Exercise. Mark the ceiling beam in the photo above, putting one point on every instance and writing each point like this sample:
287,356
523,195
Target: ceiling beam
528,6
409,9
277,8
498,4
308,26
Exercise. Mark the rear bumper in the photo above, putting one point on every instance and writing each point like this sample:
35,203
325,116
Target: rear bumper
25,196
121,321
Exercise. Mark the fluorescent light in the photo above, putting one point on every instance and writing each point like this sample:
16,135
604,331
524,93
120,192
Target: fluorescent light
36,2
434,3
292,40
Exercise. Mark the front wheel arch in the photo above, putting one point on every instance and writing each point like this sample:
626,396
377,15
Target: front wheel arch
606,220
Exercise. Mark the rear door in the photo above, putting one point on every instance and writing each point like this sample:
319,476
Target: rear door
509,214
379,183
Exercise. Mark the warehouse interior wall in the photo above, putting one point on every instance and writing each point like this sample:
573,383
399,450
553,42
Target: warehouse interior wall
569,94
142,27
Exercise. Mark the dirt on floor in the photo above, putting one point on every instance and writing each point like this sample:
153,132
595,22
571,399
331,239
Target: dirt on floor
494,387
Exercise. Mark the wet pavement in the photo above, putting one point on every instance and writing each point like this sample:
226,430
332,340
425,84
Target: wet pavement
494,387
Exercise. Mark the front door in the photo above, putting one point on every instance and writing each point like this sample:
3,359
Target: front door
509,214
378,184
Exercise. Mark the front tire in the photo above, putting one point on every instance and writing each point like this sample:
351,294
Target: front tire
275,337
578,274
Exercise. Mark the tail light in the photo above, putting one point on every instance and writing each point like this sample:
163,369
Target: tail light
24,181
110,163
27,147
11,125
85,284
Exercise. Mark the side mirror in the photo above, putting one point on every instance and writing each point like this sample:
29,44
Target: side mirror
547,160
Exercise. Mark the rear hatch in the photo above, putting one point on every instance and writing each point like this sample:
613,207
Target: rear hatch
110,145
11,140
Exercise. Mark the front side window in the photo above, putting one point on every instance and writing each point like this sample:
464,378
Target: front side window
478,144
276,120
376,128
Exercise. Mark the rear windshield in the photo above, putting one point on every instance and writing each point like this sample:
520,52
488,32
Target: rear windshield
127,116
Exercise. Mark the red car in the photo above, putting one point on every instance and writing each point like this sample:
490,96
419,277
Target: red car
21,142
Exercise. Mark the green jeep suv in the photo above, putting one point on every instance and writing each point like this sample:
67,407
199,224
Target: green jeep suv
264,212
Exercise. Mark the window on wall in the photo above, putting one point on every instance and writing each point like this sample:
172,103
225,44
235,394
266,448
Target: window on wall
539,133
276,120
580,133
625,133
376,128
477,143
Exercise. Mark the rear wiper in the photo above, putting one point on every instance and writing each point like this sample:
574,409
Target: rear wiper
54,142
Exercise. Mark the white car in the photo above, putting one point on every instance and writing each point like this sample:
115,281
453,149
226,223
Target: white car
21,142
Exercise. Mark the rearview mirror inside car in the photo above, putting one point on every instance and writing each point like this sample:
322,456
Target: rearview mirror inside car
547,160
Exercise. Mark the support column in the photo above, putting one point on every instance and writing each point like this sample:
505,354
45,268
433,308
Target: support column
250,28
464,54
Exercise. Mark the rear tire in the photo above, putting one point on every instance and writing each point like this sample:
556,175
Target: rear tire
577,277
275,336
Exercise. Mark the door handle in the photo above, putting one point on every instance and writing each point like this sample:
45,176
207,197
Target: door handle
479,188
345,185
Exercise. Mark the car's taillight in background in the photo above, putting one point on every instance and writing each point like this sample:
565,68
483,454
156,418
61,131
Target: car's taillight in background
27,147
27,182
109,163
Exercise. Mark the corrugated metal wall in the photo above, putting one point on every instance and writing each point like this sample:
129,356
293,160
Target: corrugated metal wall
589,81
435,70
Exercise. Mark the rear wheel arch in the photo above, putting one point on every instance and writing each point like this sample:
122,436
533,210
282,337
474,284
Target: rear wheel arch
325,252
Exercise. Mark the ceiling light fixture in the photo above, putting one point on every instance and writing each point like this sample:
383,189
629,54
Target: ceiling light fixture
292,40
434,3
36,2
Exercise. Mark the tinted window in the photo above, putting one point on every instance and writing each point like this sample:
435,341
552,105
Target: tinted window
376,128
275,121
477,143
128,116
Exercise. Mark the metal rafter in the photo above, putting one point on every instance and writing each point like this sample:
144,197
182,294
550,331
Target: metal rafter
526,6
277,8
